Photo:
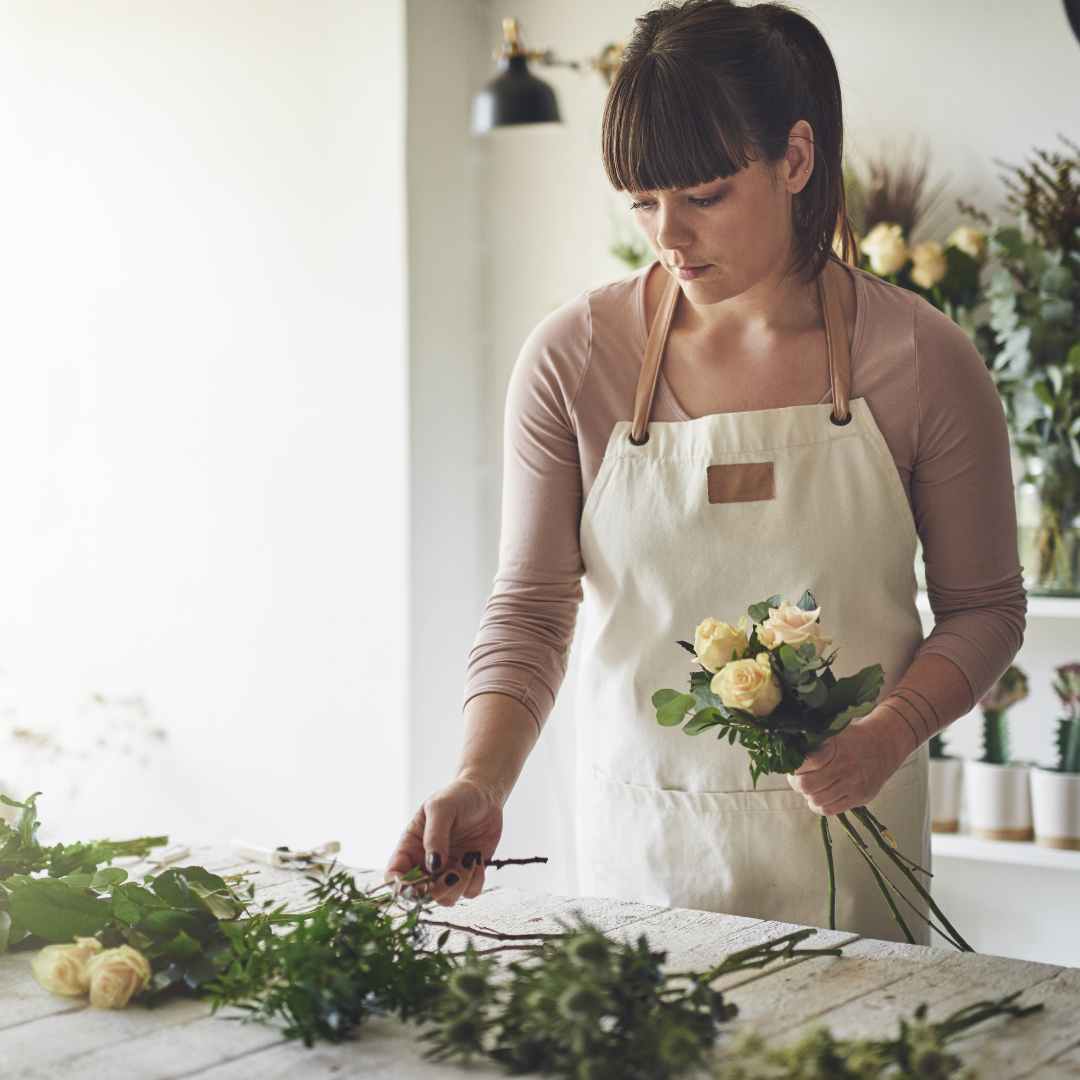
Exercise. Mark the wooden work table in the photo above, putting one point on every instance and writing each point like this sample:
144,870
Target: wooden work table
864,991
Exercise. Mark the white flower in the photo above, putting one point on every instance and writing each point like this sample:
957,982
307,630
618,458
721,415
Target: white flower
930,264
748,684
715,641
972,241
790,625
116,975
886,248
62,969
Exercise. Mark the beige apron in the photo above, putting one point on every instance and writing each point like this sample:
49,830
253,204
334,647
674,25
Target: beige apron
808,497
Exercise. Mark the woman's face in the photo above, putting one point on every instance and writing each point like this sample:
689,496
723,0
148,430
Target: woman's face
738,228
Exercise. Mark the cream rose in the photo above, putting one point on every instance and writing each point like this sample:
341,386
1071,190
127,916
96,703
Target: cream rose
886,248
748,684
929,262
790,625
62,969
967,239
715,641
116,975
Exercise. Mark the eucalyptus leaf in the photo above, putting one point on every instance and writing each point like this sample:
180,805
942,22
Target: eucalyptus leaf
673,711
702,720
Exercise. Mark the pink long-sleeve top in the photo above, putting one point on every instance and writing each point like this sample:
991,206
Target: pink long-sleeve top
929,391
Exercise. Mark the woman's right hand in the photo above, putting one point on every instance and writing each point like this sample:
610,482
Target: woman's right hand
462,821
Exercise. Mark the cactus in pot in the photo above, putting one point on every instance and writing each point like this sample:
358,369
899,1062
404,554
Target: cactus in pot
1067,740
999,792
1006,692
1055,790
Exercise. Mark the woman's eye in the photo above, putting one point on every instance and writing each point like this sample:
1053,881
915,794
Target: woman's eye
697,202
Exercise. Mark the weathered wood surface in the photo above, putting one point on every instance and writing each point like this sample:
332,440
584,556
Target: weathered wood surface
864,991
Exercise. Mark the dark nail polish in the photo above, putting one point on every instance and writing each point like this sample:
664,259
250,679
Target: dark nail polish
451,879
434,862
470,858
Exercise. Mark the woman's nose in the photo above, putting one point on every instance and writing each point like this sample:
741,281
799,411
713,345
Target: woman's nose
671,233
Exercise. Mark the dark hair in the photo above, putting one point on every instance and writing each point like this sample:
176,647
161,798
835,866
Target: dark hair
706,86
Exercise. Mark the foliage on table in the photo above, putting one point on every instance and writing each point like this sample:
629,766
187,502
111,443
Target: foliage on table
920,1050
583,1002
580,1005
67,869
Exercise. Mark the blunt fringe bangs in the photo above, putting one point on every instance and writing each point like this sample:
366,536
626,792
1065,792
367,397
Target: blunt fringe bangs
707,86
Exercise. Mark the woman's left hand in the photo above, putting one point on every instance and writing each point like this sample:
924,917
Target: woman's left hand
850,768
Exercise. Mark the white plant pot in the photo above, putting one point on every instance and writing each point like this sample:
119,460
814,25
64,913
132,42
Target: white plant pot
1055,803
998,800
946,775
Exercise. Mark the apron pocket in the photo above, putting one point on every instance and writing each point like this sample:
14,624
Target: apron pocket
753,853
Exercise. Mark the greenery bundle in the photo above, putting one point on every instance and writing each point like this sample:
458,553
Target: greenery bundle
579,1005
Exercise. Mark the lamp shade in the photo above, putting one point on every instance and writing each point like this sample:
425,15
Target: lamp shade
514,96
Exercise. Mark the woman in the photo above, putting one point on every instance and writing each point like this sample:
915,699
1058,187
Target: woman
747,415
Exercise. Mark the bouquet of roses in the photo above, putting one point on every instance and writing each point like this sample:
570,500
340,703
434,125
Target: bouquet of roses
768,684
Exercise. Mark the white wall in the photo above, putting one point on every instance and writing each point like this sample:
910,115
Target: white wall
203,424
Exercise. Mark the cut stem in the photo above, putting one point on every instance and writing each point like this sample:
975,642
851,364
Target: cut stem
826,838
868,819
860,845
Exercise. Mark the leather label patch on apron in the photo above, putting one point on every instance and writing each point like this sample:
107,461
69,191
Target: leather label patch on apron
743,481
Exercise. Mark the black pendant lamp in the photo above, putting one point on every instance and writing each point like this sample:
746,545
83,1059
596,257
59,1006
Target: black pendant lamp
515,96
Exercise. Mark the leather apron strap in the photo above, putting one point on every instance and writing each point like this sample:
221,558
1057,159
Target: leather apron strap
835,335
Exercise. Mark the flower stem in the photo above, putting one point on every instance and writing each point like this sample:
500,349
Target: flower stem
911,862
860,845
862,814
907,900
826,838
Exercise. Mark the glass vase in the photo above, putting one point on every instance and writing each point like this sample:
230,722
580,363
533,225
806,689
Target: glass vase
1048,517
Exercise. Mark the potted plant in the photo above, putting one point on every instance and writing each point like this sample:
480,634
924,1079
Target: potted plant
1032,345
998,790
1055,792
946,772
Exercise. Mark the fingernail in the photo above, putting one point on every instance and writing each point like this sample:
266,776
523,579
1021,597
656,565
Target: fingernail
470,858
451,879
434,861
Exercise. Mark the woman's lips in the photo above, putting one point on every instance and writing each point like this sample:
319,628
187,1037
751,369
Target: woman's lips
688,273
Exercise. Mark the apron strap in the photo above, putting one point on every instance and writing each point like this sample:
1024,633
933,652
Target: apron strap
835,336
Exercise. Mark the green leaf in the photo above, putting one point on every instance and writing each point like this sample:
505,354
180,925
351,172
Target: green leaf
182,946
173,886
815,696
56,912
672,710
220,906
702,720
164,921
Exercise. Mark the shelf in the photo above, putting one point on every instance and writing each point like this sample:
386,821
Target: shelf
1021,853
1054,607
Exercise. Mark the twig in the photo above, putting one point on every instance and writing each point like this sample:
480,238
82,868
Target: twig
486,931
